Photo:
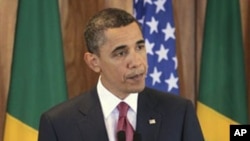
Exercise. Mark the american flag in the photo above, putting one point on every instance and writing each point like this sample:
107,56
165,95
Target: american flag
156,18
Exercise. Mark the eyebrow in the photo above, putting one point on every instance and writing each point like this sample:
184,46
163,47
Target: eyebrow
140,41
124,46
119,48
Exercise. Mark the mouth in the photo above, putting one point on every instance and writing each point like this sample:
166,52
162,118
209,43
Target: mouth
136,76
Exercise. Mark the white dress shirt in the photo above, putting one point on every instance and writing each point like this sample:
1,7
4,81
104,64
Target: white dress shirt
109,104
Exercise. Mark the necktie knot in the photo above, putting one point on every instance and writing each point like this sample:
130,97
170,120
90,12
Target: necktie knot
123,109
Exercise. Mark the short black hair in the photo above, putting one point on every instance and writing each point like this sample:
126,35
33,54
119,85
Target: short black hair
103,20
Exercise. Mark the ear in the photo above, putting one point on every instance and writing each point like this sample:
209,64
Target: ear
92,61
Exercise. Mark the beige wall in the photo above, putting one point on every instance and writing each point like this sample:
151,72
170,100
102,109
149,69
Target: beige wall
189,19
7,23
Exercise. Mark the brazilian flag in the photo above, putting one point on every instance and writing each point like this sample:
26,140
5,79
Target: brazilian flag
222,93
37,74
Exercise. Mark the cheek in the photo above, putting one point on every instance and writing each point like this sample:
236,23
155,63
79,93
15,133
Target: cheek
145,61
115,71
120,71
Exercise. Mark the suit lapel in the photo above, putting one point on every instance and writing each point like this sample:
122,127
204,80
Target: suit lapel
91,124
148,119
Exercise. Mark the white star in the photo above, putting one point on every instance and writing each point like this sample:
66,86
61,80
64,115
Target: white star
172,82
141,21
169,32
160,5
162,53
149,47
135,12
156,76
175,62
147,1
153,24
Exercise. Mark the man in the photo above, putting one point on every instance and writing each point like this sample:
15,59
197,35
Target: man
116,50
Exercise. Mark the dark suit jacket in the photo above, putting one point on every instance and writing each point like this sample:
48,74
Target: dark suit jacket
81,119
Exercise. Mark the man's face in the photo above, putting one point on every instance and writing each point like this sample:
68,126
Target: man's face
123,61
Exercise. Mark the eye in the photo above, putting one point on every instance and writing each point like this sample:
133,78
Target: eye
120,53
140,46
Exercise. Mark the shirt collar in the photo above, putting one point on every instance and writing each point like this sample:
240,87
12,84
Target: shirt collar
109,101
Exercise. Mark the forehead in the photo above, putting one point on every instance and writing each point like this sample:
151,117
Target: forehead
126,35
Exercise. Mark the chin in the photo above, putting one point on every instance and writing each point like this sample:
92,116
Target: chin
137,89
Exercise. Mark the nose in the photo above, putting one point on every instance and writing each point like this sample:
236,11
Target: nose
134,60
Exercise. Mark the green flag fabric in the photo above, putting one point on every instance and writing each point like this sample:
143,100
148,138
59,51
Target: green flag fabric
222,93
38,79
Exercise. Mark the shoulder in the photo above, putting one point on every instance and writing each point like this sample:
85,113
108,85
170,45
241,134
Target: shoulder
162,96
72,105
165,100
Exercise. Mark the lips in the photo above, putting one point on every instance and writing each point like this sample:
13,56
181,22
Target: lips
136,75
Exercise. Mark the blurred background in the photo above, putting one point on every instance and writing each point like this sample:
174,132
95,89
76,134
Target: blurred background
189,18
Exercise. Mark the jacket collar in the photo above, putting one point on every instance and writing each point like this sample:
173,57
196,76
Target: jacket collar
148,118
92,125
